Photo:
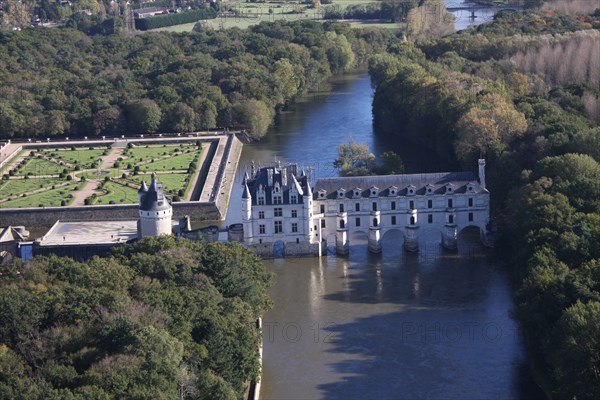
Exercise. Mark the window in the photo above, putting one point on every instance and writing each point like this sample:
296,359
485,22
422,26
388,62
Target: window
429,203
357,207
449,203
357,221
342,224
322,208
393,220
294,199
294,227
393,205
470,202
374,207
412,220
277,200
411,205
341,208
430,219
470,217
294,214
261,201
375,222
261,229
261,215
322,223
450,219
278,226
278,212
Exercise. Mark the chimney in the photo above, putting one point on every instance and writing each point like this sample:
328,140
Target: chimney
284,181
270,177
482,172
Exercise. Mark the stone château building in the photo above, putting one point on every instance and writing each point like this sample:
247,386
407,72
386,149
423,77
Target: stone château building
155,211
282,213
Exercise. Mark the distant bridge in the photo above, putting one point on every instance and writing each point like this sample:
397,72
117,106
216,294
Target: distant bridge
472,8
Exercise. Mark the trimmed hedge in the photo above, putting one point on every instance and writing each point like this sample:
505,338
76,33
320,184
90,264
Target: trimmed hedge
144,24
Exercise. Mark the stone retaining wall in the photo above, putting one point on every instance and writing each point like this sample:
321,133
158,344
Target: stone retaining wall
47,216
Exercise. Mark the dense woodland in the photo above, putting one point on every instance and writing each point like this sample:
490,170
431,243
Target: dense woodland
64,82
523,92
159,319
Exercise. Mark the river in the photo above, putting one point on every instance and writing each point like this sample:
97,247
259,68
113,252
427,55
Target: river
431,325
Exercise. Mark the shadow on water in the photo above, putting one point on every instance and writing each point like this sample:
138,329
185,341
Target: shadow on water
452,337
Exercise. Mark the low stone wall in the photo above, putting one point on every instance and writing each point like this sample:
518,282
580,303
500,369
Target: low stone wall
47,216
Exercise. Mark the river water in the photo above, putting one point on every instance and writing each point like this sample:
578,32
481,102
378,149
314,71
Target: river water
430,325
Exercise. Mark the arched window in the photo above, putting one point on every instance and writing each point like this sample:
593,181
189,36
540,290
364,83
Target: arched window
342,224
374,221
412,220
450,219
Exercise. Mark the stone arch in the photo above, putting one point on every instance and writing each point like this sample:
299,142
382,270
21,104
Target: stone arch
392,238
470,239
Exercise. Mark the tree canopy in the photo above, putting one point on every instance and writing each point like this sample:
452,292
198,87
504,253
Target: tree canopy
157,319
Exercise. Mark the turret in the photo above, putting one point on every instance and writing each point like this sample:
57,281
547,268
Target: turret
247,214
155,211
142,192
482,172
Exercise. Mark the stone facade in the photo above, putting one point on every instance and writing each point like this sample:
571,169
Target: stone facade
283,214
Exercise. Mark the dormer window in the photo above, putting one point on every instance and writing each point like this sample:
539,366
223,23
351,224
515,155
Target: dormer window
450,188
393,191
356,192
322,193
374,191
277,187
429,189
411,190
470,188
341,193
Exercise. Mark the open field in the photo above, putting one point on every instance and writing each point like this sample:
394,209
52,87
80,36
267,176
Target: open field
241,15
97,175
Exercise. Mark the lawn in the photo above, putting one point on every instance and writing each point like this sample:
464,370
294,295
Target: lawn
117,194
50,198
137,155
14,187
83,157
176,163
39,166
172,182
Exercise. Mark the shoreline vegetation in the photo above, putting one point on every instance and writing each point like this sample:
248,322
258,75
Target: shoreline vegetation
521,91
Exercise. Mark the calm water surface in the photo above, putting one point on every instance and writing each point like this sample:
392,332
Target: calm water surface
432,325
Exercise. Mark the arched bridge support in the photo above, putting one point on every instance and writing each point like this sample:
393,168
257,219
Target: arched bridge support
450,237
342,246
411,238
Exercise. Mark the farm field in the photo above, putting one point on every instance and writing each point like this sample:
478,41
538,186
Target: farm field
242,15
99,175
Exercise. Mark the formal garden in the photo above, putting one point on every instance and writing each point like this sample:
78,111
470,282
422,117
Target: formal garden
75,176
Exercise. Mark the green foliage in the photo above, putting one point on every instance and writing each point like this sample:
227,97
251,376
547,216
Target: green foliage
157,316
170,82
354,159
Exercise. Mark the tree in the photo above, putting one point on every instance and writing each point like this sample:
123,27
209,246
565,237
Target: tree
575,354
392,164
255,115
354,159
143,116
491,125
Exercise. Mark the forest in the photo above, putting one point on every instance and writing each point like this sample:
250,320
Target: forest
158,319
64,82
523,92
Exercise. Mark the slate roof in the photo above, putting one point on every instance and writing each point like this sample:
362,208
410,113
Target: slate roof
154,198
438,182
300,183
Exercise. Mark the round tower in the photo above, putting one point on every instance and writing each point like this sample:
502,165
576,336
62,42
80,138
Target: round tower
247,213
155,211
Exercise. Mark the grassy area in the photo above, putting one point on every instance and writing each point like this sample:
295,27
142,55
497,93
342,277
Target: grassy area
50,198
173,182
115,193
39,166
83,157
137,155
14,187
180,162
